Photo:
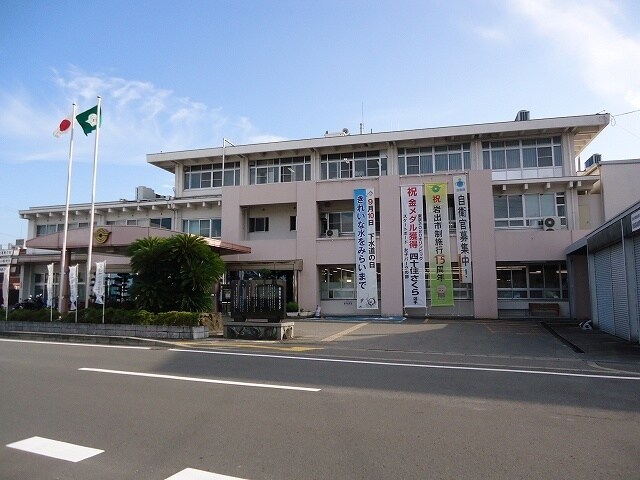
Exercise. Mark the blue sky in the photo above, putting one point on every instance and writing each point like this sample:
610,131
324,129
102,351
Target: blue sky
184,75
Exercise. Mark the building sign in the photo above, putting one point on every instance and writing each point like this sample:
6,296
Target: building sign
415,291
364,226
440,277
463,231
5,288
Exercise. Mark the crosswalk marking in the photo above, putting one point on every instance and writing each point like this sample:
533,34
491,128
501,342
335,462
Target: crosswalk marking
193,474
55,449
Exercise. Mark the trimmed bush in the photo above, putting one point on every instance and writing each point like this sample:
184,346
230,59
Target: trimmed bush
189,319
292,307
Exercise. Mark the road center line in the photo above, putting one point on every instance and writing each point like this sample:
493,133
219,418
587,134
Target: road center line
55,449
413,365
72,344
344,332
201,380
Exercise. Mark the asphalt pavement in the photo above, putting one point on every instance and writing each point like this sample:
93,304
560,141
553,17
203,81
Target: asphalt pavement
545,340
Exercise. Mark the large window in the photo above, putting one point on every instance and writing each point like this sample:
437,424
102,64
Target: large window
338,282
49,229
522,154
161,222
443,158
130,222
210,175
207,227
353,164
341,223
528,210
536,281
295,169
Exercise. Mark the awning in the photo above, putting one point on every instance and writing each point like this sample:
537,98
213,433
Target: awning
112,239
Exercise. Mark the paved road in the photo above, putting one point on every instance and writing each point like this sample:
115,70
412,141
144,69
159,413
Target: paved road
341,408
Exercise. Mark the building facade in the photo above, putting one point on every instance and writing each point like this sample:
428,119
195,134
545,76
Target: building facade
292,204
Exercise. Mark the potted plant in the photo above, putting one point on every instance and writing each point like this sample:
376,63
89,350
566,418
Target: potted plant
292,309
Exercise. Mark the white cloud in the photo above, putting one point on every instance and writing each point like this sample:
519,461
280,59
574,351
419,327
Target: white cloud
138,118
606,58
492,34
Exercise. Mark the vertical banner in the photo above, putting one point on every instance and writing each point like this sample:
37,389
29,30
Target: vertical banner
50,285
5,288
414,288
463,230
364,226
73,287
98,286
440,277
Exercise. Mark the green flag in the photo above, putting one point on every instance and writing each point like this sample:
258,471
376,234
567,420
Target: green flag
88,120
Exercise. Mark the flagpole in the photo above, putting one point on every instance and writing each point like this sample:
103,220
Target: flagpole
64,284
93,202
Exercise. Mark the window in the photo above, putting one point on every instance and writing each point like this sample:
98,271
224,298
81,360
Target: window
443,158
293,223
537,281
258,224
294,169
342,222
210,175
528,210
337,282
161,222
207,227
354,164
130,222
522,154
49,229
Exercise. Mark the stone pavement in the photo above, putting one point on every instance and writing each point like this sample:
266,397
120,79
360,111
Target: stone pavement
543,341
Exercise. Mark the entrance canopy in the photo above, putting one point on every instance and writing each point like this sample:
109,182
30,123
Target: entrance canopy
115,240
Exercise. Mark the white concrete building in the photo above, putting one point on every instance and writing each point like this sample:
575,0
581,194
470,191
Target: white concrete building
288,207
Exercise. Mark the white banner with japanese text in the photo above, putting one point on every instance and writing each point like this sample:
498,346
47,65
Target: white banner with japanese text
364,228
414,286
463,227
73,288
98,286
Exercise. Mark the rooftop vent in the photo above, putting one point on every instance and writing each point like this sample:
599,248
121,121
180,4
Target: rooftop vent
522,116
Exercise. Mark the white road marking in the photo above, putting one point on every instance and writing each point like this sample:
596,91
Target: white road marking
193,474
71,344
343,333
413,365
201,380
56,449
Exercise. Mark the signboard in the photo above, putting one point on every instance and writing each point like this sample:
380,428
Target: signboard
413,272
463,231
440,277
364,227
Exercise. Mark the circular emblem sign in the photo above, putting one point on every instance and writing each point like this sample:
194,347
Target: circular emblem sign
101,235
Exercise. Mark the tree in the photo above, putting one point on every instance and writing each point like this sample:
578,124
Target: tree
175,273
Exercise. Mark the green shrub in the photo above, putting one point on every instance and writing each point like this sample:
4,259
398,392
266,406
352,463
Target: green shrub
189,319
40,315
292,307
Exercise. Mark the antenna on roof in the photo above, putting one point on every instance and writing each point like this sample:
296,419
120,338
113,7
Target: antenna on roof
362,118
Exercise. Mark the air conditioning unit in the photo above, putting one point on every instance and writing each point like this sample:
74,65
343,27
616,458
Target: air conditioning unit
550,223
332,233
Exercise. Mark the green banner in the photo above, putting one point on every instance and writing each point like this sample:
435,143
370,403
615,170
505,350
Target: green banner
440,275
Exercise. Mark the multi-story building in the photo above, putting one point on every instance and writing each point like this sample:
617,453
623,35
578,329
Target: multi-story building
287,208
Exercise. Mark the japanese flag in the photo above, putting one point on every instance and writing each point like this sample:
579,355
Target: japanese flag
64,127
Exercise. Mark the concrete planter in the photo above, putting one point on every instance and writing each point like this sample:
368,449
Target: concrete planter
109,330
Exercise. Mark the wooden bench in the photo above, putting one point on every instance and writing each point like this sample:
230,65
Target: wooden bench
544,309
258,330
